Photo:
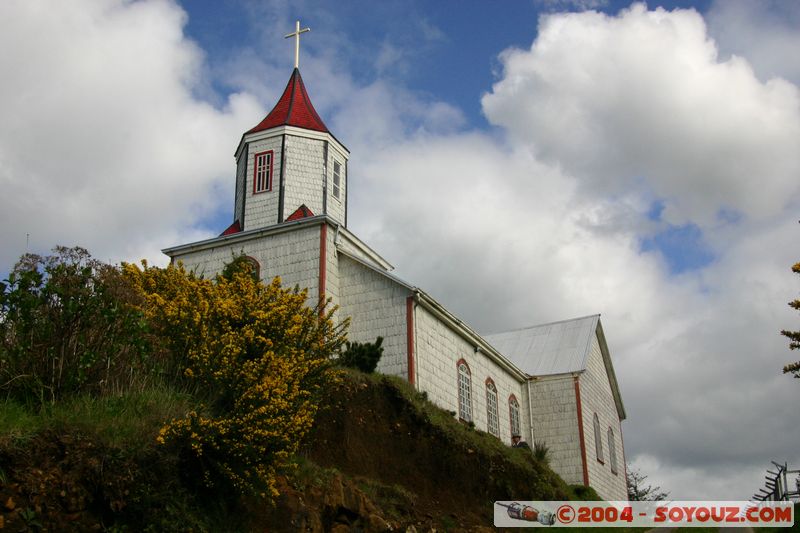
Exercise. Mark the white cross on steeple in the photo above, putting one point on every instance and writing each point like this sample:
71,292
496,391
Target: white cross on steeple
296,35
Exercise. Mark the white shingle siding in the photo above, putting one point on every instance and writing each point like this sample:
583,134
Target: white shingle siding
294,256
377,307
555,423
241,169
332,283
261,209
304,174
596,397
438,348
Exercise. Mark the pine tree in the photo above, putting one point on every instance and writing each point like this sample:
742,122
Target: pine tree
794,336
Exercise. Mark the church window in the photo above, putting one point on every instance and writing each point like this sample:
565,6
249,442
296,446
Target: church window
513,413
492,421
612,451
598,438
337,178
464,392
262,179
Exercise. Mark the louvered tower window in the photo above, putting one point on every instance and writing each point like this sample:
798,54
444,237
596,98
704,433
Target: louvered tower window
337,178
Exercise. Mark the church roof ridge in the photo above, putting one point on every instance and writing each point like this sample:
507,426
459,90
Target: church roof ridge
294,108
576,319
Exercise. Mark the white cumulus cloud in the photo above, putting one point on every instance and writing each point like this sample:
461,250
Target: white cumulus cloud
102,142
642,100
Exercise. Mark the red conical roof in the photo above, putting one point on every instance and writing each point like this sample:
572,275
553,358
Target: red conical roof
293,109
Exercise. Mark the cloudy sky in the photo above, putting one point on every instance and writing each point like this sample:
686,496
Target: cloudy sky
522,161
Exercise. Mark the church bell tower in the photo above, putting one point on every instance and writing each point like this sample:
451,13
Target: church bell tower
289,166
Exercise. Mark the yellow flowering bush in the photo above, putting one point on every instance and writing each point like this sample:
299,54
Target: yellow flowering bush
257,356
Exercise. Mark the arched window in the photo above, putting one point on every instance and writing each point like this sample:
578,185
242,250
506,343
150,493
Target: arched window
513,414
492,419
255,266
240,262
598,438
464,392
612,451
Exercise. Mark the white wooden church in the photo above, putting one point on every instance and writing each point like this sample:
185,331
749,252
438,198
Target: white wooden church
551,383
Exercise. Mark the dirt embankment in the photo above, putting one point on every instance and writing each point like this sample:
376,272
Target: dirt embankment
427,469
380,458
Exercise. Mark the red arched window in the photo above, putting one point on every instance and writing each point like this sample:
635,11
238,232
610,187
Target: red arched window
492,418
598,438
513,415
464,391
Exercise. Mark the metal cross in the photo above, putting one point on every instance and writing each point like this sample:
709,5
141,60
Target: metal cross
296,35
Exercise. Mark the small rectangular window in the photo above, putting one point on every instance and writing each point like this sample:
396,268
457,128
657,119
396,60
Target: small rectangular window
337,178
262,178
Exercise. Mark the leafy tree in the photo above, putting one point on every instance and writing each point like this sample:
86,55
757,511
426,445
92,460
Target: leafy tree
362,356
638,491
257,354
70,324
794,336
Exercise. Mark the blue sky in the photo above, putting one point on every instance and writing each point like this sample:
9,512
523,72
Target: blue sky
443,51
569,157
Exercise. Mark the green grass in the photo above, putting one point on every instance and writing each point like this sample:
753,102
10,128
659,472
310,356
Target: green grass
129,421
446,421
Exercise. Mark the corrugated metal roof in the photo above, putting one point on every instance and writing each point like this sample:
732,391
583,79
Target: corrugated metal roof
555,348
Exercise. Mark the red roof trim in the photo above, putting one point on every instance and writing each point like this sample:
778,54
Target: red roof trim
300,213
233,228
294,108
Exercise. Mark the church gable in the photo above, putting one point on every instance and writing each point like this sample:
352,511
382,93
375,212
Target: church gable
602,430
300,213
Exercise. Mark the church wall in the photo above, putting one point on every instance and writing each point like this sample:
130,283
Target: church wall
305,167
261,209
292,255
336,206
555,423
332,282
438,348
596,397
377,307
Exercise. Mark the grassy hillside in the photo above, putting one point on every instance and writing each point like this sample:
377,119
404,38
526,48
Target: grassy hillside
380,456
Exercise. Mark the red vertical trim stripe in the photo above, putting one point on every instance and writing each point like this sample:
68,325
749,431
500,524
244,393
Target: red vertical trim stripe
323,264
410,338
580,431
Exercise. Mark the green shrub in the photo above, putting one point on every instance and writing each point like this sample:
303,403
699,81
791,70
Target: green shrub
541,451
70,324
362,356
257,354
